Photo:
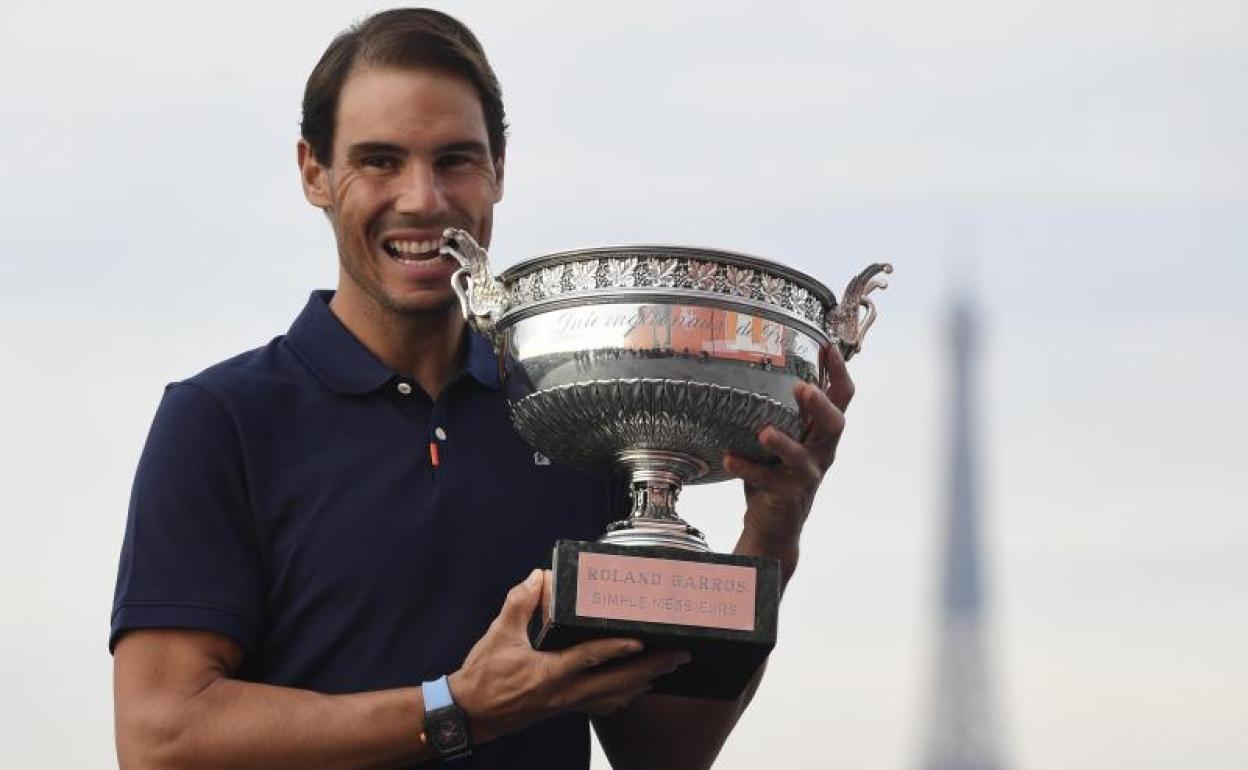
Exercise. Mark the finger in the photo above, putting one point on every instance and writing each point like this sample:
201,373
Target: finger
792,454
624,677
752,473
547,588
587,655
826,423
521,602
838,386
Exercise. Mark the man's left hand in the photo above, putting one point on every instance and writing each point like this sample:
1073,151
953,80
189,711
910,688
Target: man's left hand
779,496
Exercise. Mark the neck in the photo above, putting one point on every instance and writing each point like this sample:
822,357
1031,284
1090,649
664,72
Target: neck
428,347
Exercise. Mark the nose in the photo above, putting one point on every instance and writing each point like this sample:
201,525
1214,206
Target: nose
420,191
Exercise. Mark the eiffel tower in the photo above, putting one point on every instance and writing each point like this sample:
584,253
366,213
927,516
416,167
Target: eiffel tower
962,719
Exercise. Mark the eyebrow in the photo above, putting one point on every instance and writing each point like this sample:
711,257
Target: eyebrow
468,145
357,151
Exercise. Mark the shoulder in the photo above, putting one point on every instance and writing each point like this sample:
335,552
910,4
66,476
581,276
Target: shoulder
263,377
226,395
258,369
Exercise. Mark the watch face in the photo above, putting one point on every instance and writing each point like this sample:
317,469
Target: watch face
447,732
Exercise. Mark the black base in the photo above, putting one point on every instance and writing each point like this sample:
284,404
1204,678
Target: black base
723,659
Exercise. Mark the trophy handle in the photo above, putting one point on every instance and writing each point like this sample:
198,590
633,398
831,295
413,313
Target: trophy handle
848,322
481,296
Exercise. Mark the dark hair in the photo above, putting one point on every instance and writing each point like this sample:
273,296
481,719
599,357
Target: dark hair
403,37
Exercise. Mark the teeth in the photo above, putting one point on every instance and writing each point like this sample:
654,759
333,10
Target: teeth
414,247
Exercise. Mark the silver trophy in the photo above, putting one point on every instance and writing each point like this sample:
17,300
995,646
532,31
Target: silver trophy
653,361
656,360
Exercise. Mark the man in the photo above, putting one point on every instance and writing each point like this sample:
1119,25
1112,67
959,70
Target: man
322,530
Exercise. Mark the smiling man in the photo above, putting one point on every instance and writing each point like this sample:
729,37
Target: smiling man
322,530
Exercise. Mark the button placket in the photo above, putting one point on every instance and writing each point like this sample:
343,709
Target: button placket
437,435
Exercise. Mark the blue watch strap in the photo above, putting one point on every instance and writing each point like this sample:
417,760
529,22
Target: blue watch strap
437,694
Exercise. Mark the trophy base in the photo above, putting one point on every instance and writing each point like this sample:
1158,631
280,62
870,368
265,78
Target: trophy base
720,608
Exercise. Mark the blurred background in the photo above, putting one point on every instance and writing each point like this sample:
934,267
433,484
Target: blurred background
1074,170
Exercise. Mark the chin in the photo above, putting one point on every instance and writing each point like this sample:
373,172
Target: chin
438,305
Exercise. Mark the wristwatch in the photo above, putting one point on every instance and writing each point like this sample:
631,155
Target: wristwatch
446,725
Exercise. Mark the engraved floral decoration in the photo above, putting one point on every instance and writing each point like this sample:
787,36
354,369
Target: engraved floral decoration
663,270
539,283
772,288
739,280
702,274
524,288
582,274
813,307
622,272
659,269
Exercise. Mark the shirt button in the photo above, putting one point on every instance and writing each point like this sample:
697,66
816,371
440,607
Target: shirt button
405,389
440,433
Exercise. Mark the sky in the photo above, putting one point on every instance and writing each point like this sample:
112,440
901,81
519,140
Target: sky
1078,168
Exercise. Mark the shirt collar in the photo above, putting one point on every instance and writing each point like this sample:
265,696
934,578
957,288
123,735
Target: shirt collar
482,362
346,367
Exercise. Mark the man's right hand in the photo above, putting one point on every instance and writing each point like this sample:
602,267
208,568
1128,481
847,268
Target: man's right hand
506,685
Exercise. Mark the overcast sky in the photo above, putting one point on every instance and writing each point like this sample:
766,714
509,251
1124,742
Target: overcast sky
1080,165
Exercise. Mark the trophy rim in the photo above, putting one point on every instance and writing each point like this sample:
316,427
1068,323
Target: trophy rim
705,253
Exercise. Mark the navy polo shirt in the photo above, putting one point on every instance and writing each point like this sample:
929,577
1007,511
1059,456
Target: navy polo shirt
347,531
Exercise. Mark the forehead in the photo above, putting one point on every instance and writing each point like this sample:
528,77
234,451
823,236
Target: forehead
408,107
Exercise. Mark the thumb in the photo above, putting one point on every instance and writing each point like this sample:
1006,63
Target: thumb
522,601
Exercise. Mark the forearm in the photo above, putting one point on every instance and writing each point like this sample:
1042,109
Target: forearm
679,733
785,550
230,723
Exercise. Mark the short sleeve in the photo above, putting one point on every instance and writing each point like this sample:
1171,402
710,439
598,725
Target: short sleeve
190,558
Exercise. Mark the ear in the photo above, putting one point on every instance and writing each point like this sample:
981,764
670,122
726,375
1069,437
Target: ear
314,176
498,178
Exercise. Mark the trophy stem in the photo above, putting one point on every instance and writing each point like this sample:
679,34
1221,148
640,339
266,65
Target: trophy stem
655,480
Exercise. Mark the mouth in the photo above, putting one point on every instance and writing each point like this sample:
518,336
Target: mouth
411,250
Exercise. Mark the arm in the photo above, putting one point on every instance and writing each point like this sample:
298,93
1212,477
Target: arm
689,732
178,706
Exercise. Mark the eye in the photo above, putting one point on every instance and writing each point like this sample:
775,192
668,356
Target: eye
380,162
455,160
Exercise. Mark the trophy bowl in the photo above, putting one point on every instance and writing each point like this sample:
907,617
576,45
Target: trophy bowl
656,360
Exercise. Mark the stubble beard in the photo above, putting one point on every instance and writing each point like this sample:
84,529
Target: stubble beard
372,289
375,290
